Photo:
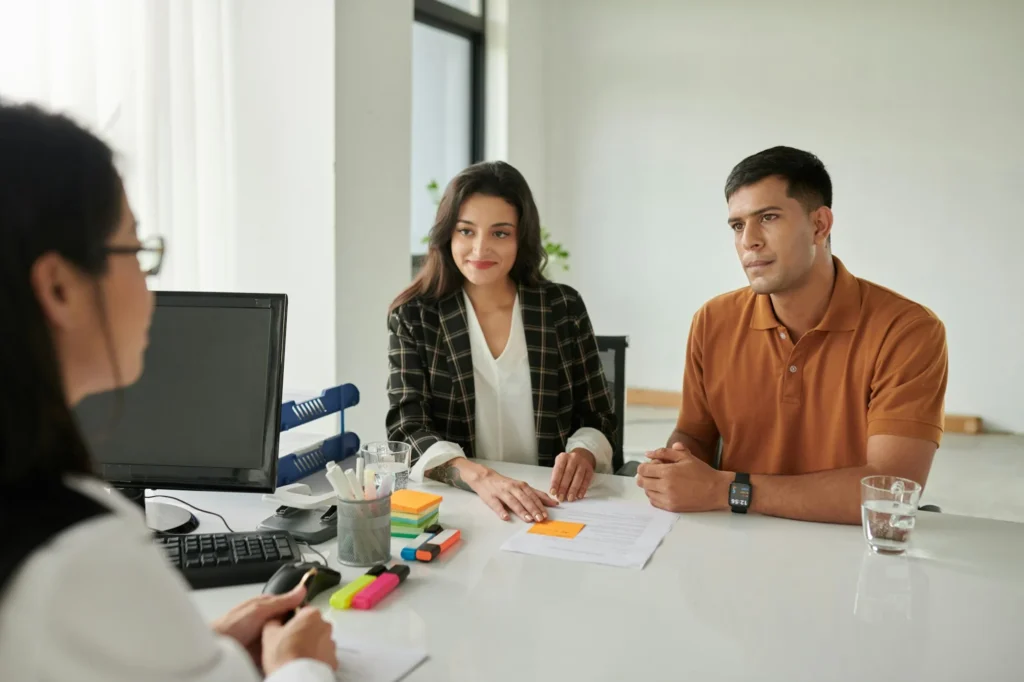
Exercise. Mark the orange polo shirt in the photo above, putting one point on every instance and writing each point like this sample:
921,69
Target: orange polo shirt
876,364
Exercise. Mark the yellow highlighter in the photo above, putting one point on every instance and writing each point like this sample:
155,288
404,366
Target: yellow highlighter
342,599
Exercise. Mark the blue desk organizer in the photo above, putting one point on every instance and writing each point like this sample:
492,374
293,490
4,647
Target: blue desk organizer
298,465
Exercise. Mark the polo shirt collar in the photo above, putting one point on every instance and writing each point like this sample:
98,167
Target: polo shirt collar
843,308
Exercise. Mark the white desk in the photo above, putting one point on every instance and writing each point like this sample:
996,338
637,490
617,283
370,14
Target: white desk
725,597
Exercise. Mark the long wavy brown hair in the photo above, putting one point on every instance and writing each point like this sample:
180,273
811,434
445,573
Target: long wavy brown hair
440,276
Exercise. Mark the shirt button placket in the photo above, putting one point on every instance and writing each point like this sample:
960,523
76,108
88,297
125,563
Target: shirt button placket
792,382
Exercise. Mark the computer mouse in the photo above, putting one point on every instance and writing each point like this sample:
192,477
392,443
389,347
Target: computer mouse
317,579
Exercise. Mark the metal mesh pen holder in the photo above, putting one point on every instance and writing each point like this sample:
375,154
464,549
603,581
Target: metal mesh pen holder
364,532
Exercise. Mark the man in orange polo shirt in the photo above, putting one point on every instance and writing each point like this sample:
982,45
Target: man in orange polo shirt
811,378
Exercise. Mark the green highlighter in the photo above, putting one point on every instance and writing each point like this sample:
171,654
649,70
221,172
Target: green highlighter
342,599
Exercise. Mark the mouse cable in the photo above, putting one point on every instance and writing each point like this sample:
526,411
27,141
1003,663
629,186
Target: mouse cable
194,508
303,543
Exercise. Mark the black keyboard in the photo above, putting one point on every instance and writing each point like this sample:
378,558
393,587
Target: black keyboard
220,559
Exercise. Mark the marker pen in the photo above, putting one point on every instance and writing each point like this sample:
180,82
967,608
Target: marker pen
438,545
409,553
342,599
336,477
354,484
381,587
369,488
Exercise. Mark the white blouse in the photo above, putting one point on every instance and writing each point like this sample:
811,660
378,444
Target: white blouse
505,420
99,603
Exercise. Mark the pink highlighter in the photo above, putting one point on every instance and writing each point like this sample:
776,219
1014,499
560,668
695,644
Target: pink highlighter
368,597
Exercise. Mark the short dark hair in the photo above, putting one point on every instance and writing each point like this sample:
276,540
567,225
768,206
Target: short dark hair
808,181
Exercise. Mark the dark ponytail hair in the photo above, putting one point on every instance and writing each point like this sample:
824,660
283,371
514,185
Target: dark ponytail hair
59,193
440,276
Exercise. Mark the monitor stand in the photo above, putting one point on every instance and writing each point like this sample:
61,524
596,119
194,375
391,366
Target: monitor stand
160,517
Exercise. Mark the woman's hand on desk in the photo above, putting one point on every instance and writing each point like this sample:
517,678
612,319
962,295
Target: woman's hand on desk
245,622
503,494
307,635
572,475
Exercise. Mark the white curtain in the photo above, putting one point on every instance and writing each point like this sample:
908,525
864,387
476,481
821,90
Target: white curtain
154,79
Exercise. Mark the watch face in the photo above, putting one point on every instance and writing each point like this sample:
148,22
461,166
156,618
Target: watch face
739,494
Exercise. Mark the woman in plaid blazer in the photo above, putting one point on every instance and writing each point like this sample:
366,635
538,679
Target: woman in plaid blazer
491,361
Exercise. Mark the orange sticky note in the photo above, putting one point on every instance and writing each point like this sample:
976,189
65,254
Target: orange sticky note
557,529
413,501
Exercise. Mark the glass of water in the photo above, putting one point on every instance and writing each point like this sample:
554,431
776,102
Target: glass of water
888,507
388,457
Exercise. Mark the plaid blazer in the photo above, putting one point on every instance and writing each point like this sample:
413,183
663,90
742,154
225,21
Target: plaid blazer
430,385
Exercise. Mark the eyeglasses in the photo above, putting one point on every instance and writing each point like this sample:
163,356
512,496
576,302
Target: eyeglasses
150,253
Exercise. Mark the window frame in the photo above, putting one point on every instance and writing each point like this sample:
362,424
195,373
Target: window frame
449,19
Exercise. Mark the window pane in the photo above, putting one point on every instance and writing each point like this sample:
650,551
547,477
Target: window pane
471,6
441,130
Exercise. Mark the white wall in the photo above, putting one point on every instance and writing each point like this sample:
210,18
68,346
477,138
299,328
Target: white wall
372,149
284,155
525,123
915,107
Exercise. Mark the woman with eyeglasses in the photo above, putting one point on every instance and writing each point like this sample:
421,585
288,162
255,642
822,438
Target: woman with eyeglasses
85,595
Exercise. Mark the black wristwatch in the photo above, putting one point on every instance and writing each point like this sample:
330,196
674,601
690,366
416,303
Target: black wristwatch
740,494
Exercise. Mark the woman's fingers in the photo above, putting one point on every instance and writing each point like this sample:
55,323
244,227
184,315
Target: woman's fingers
532,505
557,473
580,481
546,500
494,502
560,486
512,501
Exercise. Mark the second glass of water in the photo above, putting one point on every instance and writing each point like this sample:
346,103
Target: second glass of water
388,457
888,507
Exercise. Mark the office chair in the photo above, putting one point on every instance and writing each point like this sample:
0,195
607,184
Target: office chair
612,350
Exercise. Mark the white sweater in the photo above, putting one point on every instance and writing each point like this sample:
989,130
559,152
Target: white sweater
99,603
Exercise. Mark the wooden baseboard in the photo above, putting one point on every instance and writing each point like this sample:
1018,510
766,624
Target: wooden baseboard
652,398
958,423
648,397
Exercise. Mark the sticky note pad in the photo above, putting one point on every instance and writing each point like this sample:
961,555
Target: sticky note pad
557,529
413,501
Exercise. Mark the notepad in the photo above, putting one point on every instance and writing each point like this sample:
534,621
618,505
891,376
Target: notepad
557,529
415,518
413,501
374,661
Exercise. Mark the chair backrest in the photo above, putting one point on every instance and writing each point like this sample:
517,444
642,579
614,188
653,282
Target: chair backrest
613,357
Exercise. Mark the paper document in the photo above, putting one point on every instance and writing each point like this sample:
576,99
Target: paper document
614,532
360,661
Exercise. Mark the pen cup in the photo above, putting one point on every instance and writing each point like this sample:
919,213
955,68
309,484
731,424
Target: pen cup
364,531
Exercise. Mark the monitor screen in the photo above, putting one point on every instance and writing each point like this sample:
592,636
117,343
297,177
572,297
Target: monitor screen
206,413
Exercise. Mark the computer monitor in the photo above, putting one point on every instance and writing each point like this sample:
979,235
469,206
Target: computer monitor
206,413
